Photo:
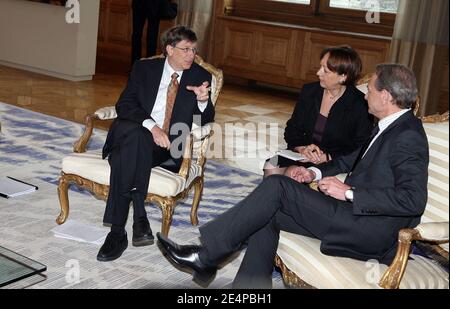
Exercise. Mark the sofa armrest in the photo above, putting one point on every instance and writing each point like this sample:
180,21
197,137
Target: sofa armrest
435,232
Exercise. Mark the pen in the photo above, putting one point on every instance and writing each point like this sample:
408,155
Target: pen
22,182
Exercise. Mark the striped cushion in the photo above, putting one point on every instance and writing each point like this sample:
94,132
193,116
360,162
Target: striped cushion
302,254
437,205
90,165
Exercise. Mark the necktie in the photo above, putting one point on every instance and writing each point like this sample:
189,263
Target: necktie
366,145
171,95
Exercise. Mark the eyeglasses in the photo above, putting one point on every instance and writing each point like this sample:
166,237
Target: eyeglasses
187,49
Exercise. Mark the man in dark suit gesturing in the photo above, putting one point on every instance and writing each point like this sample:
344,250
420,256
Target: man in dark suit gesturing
162,99
385,190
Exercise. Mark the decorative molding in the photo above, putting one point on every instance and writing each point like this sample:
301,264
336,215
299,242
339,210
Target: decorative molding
435,118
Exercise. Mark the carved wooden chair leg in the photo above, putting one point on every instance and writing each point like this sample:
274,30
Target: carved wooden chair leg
198,191
167,208
393,275
63,189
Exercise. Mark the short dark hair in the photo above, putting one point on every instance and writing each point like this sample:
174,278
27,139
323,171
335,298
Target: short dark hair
399,81
175,35
344,60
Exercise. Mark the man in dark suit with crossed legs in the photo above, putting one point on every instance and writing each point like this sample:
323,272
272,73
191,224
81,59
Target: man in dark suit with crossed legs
162,96
385,190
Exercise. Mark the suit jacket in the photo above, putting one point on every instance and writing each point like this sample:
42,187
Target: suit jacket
137,101
348,125
390,193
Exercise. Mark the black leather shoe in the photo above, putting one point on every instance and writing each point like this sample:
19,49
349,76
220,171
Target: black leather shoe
142,234
113,247
187,256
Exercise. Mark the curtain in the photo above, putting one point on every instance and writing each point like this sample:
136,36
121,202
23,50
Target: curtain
197,15
420,41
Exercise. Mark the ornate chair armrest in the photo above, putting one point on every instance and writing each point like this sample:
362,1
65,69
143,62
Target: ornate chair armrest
435,232
104,113
80,144
201,135
187,157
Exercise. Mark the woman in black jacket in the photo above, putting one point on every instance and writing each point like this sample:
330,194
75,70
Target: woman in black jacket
331,117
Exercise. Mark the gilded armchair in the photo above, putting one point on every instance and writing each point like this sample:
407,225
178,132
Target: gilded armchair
89,171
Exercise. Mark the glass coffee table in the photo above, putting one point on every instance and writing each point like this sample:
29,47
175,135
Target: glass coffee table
15,267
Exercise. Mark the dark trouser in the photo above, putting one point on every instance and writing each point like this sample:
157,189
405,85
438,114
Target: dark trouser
131,162
278,203
140,15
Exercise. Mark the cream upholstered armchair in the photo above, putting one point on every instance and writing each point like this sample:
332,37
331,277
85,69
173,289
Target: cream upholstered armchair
88,170
303,265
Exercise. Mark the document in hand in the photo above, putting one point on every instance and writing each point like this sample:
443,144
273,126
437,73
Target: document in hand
11,187
290,155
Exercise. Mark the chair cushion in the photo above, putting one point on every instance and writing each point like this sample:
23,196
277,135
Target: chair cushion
434,230
90,165
302,255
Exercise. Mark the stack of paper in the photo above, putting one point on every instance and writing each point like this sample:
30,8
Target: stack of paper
79,231
290,155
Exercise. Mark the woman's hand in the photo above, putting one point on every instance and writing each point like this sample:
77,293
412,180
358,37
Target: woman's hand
312,153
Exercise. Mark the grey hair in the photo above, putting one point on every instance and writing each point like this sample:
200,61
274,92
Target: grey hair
399,81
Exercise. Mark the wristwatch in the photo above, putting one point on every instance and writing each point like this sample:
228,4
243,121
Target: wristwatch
349,195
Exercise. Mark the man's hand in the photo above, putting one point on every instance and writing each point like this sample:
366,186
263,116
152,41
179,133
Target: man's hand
333,187
300,174
160,137
202,91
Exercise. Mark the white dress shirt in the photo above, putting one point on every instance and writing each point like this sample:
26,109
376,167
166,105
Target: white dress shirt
159,109
382,124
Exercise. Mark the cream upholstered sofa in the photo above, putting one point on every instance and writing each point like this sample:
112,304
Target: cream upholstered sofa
303,265
88,170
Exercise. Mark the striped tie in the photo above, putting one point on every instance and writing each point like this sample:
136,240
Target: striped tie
171,95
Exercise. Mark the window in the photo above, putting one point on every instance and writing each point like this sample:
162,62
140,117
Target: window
296,1
389,6
341,15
